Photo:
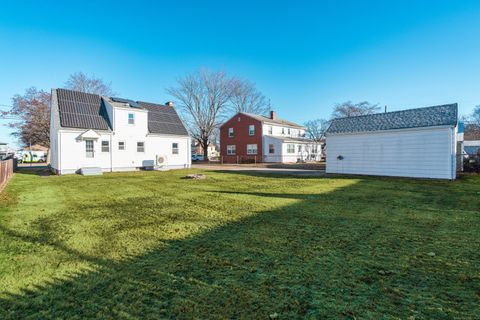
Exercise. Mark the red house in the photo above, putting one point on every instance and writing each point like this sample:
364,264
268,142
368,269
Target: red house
250,137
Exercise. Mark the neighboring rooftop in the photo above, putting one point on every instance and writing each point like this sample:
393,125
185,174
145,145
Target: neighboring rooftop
272,119
88,111
412,118
471,132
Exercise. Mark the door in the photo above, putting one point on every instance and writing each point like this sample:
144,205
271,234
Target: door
89,149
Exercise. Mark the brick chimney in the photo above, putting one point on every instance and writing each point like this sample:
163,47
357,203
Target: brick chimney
169,104
273,115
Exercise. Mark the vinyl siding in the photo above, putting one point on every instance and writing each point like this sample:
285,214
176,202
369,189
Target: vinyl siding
421,153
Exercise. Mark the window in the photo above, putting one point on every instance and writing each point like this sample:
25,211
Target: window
271,148
140,146
121,145
251,130
105,146
251,149
174,148
299,148
89,151
288,131
231,149
131,118
270,130
283,130
230,132
290,148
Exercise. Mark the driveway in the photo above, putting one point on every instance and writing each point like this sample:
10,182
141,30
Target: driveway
260,170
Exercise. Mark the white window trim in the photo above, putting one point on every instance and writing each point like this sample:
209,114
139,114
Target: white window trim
231,151
101,146
230,132
290,151
250,149
143,146
177,149
133,118
251,132
124,146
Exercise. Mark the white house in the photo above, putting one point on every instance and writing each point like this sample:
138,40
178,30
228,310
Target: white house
417,143
114,134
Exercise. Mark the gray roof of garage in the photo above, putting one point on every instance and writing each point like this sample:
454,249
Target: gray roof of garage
443,115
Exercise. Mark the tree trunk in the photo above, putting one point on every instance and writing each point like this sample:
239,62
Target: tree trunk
205,149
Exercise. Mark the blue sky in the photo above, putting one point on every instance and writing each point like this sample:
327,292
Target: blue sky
304,55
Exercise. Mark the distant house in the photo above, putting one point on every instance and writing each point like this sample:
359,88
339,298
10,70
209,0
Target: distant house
114,134
410,143
471,139
251,137
212,149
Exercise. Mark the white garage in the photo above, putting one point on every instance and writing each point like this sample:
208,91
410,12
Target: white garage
418,143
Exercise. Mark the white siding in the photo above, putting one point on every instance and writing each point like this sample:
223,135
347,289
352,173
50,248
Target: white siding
421,153
277,131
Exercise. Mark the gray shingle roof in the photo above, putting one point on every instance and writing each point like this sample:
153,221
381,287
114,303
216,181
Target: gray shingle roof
163,119
277,120
82,110
412,118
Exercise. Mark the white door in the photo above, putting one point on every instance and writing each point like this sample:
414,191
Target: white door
90,152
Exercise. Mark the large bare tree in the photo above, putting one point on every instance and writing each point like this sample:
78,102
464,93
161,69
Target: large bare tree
247,98
82,82
350,109
32,111
476,115
203,97
315,129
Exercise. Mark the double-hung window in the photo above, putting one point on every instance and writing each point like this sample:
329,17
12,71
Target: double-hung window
299,148
271,148
140,146
131,118
251,130
230,132
174,148
251,149
290,148
270,130
121,145
105,146
231,149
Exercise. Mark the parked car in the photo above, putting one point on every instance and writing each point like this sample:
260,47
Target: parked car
197,157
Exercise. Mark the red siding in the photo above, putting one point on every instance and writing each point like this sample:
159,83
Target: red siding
240,123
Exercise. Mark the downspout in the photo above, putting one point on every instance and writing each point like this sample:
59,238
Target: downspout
111,153
59,147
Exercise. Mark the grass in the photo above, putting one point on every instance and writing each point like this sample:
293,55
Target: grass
151,245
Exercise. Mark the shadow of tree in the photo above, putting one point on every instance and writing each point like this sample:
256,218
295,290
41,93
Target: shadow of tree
320,257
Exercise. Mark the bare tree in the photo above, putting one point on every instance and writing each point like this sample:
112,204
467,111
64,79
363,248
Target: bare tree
80,81
247,98
32,109
476,115
350,109
203,96
315,129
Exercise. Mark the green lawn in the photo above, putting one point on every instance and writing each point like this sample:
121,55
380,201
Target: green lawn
152,245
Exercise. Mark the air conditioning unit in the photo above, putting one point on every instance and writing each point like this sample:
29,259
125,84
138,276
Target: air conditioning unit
161,160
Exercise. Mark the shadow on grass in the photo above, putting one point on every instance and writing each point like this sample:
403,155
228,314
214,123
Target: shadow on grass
309,259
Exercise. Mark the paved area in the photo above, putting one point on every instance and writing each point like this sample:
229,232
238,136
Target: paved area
260,170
